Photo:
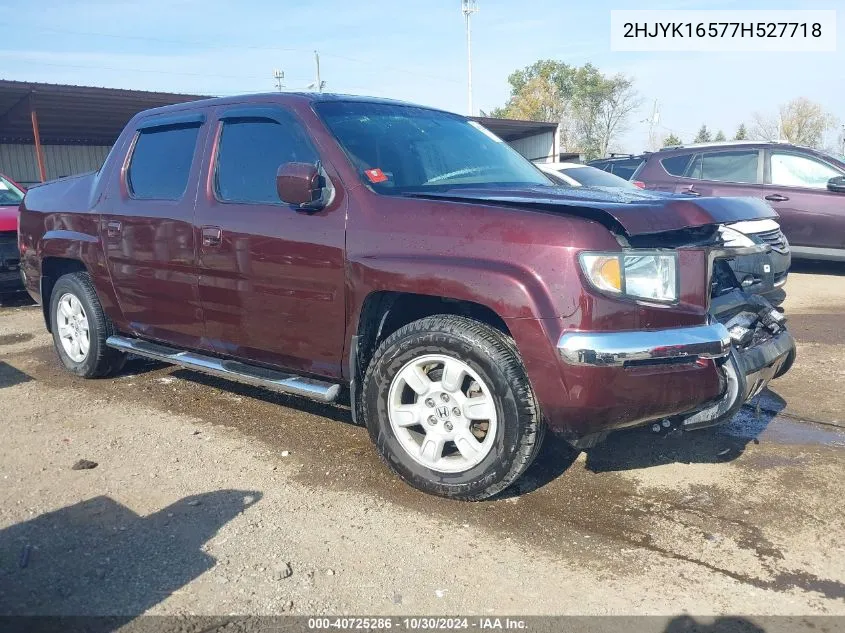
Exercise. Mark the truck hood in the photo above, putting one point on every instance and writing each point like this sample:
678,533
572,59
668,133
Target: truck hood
635,212
8,219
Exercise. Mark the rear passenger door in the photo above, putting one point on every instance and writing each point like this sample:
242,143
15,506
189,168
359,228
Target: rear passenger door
730,172
147,230
271,277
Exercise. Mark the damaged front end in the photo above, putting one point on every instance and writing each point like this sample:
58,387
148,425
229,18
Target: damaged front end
761,346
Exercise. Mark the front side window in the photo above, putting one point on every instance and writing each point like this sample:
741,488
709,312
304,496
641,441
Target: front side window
161,162
251,152
10,195
795,170
399,149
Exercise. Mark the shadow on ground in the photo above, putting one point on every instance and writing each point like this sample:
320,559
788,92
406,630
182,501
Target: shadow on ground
98,557
15,300
642,447
729,624
10,376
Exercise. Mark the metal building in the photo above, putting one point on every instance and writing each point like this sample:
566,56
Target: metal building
50,131
536,140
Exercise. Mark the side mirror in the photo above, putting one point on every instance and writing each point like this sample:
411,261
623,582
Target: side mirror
836,184
301,185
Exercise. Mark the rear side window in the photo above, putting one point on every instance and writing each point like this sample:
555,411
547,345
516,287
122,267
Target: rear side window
676,165
739,166
161,162
250,153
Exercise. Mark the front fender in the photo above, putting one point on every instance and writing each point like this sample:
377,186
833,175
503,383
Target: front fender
517,295
508,289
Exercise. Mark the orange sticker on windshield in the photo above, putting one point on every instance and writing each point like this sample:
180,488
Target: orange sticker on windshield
375,175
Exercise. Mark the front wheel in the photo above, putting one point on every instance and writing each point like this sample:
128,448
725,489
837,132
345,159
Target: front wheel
449,406
80,328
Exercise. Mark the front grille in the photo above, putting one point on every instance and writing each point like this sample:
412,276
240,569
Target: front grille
776,239
9,255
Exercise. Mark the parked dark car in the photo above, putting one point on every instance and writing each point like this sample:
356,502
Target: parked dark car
623,166
11,195
805,187
324,245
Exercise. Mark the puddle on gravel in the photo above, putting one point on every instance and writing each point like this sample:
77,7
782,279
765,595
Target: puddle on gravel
782,430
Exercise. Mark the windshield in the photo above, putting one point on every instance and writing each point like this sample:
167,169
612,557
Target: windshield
10,195
399,149
592,177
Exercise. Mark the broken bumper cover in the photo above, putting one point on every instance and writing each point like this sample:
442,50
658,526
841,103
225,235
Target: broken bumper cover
747,372
617,349
743,372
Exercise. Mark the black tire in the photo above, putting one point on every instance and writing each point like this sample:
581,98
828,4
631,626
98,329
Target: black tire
495,358
101,360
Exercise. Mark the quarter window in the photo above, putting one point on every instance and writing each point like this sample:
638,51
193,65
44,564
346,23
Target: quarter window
161,162
676,165
250,153
794,170
739,166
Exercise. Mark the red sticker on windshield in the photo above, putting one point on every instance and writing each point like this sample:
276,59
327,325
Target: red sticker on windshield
375,175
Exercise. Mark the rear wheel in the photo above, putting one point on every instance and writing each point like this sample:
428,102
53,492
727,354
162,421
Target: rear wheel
450,408
80,328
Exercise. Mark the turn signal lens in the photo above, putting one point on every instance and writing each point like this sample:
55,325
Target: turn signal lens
604,271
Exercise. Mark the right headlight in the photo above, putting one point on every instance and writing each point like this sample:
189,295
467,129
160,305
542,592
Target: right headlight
639,274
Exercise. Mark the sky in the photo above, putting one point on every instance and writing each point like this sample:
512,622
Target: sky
412,50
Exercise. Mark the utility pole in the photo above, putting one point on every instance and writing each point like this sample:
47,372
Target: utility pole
468,7
653,121
279,76
320,84
843,140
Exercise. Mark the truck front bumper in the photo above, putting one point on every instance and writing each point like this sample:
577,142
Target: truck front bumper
714,375
618,349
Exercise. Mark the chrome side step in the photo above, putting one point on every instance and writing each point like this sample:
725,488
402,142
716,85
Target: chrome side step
229,369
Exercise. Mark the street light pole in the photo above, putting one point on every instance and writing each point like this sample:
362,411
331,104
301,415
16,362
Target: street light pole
468,7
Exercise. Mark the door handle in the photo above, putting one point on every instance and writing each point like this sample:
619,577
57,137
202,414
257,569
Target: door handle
211,235
113,228
777,197
691,192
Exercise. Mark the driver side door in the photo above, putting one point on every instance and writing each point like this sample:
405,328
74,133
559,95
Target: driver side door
271,277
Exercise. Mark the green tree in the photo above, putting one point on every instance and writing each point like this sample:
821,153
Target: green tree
741,133
703,135
591,108
800,121
720,136
671,141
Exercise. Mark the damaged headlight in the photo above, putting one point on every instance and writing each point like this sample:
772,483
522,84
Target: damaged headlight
647,275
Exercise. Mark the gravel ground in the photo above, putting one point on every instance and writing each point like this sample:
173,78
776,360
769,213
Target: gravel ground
214,498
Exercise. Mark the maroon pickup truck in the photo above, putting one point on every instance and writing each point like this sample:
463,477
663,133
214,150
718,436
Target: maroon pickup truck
407,259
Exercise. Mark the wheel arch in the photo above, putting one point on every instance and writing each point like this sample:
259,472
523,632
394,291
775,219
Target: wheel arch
63,251
52,269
